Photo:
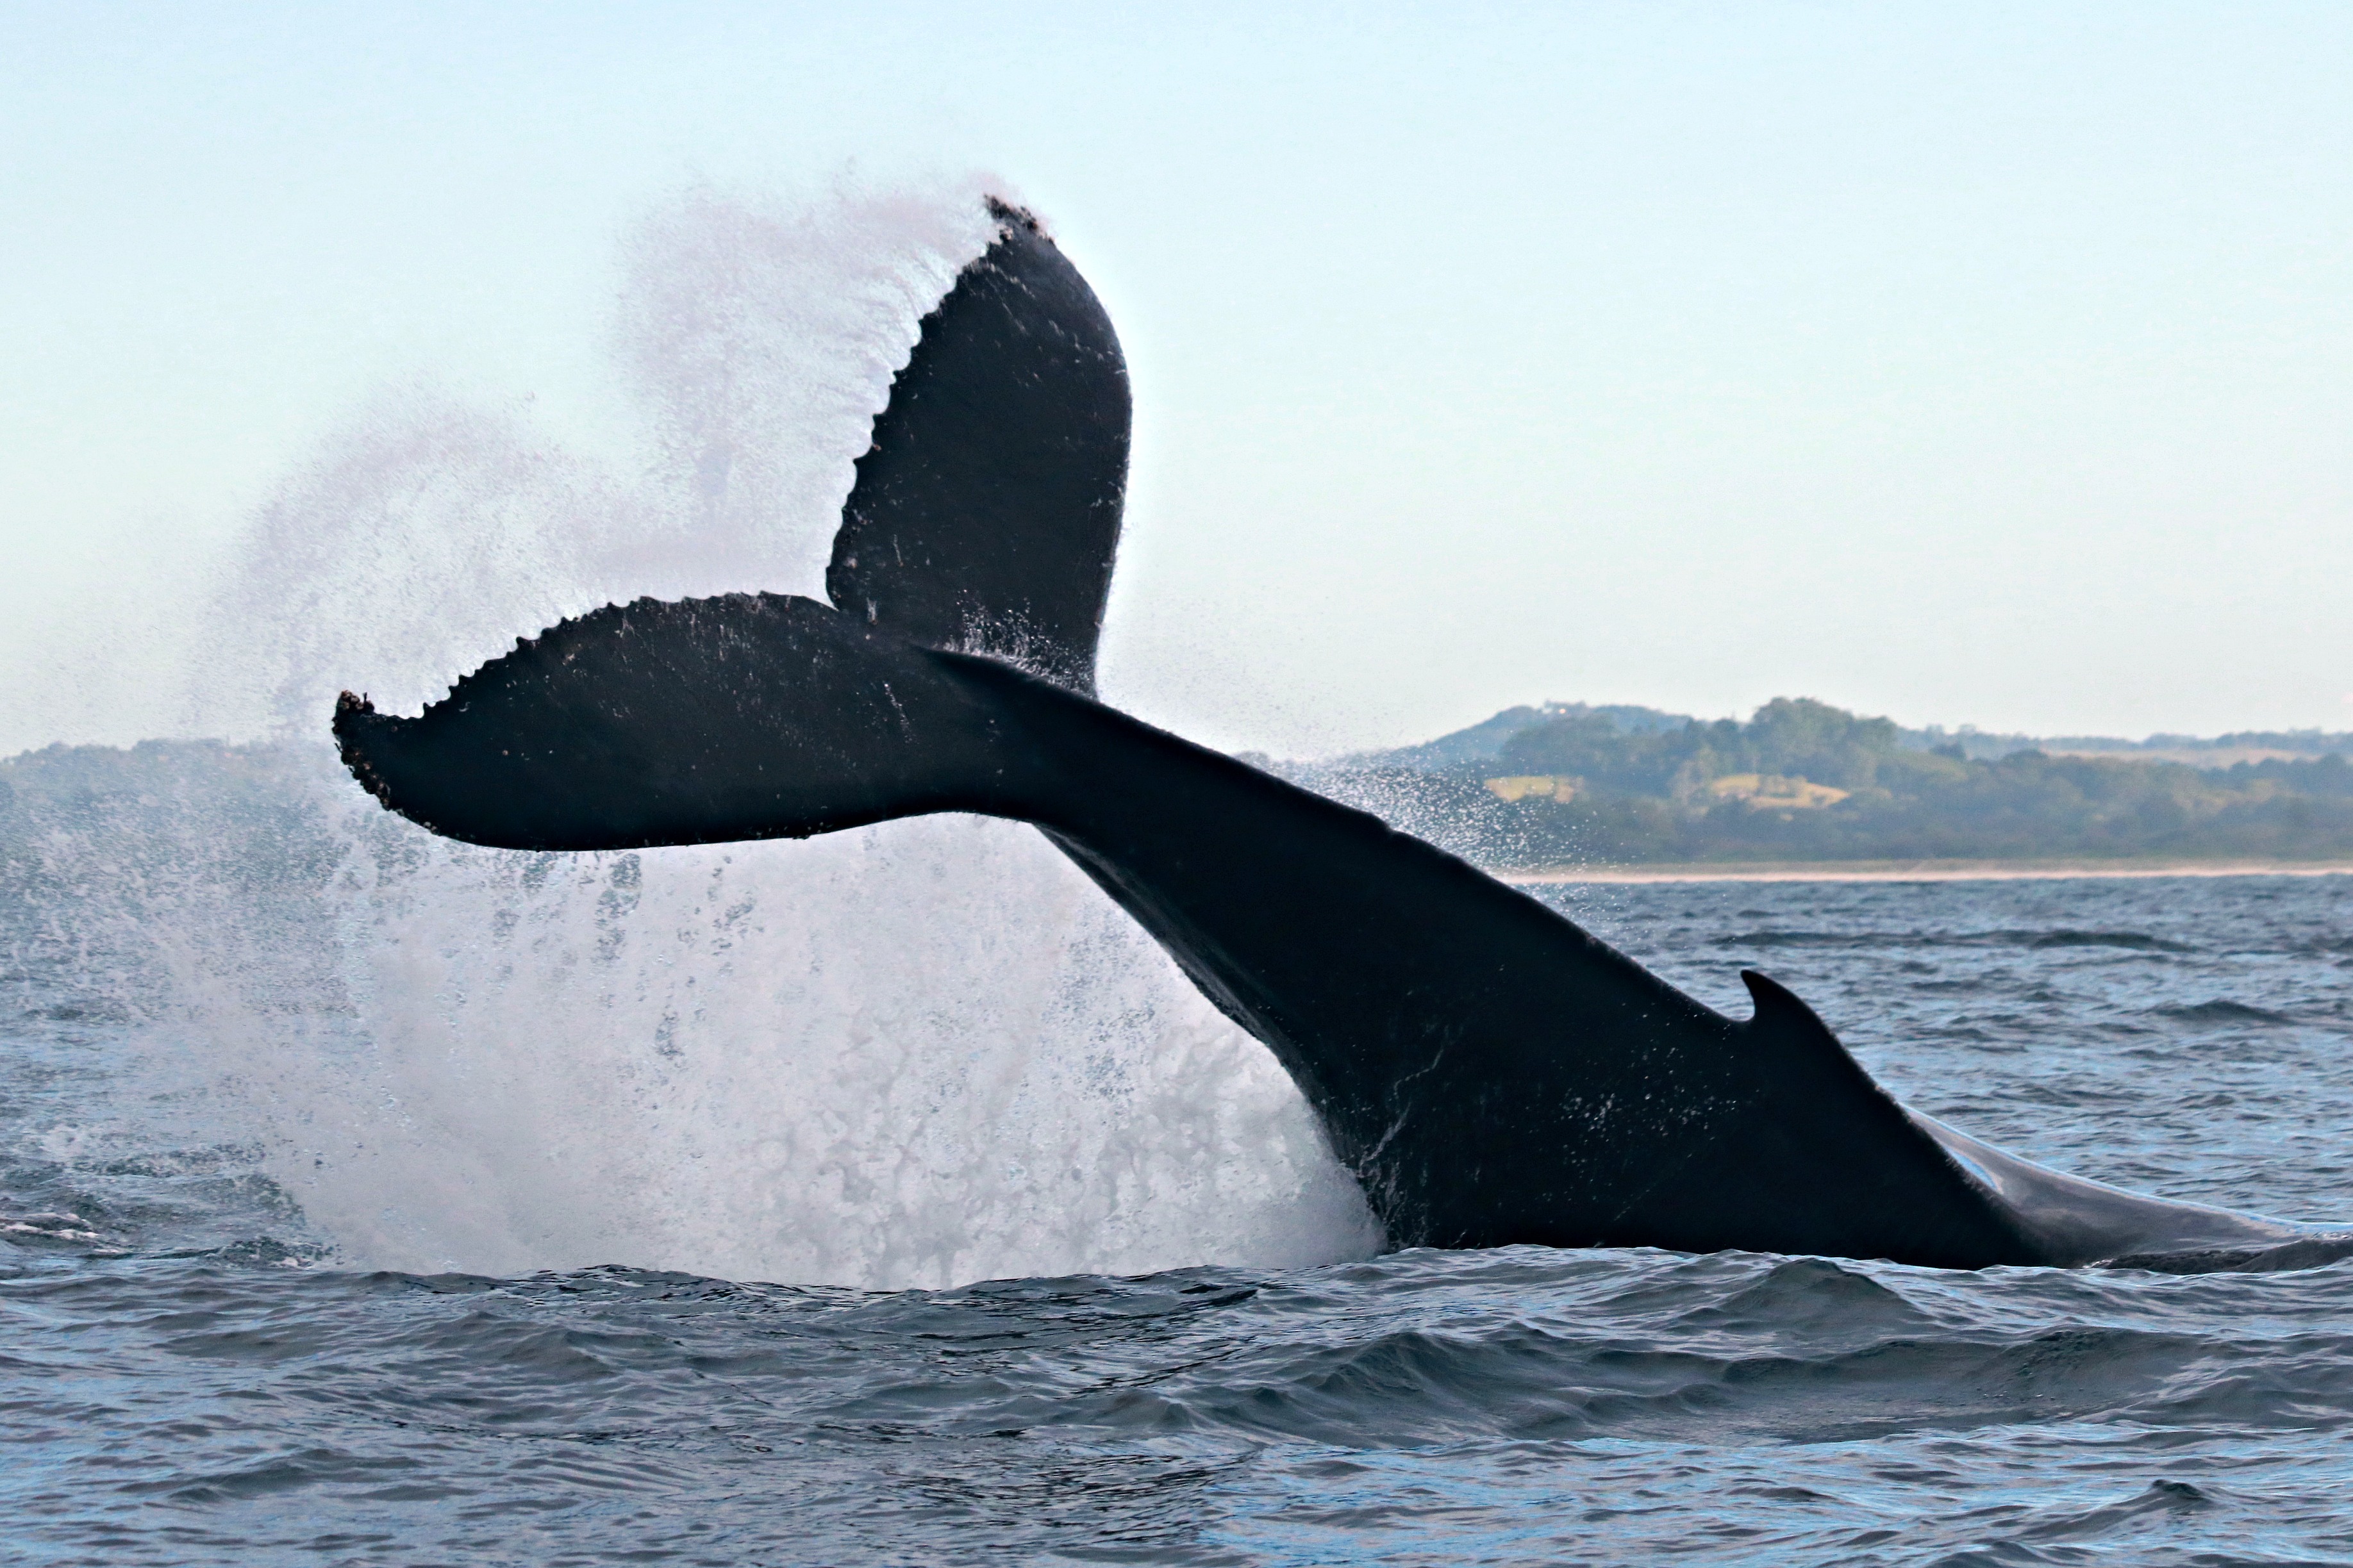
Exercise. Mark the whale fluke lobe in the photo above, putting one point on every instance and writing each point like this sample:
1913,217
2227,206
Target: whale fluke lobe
748,716
987,513
1491,1072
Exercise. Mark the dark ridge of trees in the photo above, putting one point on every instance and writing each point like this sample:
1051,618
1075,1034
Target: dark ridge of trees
1790,736
2327,775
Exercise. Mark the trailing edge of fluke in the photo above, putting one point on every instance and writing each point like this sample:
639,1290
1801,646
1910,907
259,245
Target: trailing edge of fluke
1492,1073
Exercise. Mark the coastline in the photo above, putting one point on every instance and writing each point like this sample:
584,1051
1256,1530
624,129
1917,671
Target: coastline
1919,870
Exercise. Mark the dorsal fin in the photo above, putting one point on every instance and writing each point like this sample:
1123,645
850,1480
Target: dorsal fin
986,515
1778,1006
1797,1046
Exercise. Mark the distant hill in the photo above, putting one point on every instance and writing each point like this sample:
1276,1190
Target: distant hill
1485,740
1800,780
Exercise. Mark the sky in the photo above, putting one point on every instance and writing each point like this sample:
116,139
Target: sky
1980,364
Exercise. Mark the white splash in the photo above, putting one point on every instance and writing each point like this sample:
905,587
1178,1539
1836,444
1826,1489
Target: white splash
915,1055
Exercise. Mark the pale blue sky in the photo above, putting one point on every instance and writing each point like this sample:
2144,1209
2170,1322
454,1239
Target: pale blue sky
1965,362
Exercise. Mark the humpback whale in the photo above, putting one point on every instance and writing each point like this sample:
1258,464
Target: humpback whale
1490,1071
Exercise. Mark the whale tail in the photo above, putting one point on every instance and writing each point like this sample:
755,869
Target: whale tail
985,518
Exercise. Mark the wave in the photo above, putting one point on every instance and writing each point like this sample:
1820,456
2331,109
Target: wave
2222,1011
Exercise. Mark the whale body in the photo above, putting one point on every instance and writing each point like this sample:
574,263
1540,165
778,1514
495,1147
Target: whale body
1492,1073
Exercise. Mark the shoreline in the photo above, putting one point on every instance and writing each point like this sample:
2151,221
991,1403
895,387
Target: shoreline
1919,871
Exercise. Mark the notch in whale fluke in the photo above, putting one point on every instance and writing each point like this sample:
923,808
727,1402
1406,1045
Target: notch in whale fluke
987,513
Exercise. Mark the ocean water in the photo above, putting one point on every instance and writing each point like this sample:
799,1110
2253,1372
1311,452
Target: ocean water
1077,1284
888,1198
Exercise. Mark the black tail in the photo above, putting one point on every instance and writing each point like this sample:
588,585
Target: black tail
985,518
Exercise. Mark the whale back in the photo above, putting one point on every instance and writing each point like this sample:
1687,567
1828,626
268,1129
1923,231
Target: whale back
987,513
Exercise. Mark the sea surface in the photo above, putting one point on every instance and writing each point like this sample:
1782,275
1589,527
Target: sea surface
199,1364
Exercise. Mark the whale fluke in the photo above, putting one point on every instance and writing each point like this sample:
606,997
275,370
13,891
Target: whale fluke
695,721
986,515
